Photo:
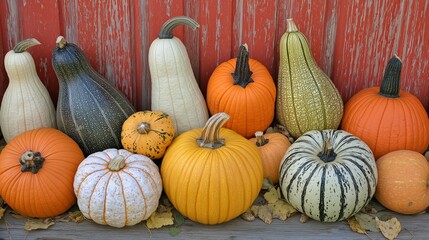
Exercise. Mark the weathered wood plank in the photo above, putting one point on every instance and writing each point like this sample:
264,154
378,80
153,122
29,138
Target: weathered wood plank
413,227
351,41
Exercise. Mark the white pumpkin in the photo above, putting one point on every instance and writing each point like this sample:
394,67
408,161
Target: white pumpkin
26,103
117,188
328,175
175,90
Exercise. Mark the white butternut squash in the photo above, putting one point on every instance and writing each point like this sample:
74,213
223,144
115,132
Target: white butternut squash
26,103
175,90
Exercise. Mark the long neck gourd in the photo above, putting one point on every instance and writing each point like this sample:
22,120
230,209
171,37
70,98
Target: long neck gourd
90,109
26,103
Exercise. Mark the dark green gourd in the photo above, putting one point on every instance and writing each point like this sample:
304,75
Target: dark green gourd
90,109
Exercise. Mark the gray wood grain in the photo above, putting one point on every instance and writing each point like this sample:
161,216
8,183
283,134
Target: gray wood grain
413,227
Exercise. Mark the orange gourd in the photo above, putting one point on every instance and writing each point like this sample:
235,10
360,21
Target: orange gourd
244,89
37,169
212,174
386,117
148,133
273,147
403,181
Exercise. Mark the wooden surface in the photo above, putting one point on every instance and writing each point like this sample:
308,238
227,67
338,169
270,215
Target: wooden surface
413,227
351,40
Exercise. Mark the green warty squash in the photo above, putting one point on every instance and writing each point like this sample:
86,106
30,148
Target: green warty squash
90,109
306,98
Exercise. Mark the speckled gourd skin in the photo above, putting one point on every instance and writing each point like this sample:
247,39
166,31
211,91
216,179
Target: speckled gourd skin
90,109
307,99
328,189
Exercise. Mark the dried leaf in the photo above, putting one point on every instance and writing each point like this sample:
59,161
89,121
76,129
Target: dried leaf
76,216
390,228
254,209
267,184
179,219
248,216
34,224
367,222
282,210
2,210
355,226
160,219
272,196
304,218
17,215
265,214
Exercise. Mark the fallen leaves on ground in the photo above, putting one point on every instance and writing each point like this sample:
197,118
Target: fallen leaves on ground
389,226
274,207
35,224
161,217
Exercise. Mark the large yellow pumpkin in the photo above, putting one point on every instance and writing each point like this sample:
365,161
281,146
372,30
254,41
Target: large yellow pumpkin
212,175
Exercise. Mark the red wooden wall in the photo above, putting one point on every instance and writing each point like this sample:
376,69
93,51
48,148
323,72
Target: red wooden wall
351,40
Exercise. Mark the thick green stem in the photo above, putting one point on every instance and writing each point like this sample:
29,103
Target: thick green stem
291,27
260,140
117,163
168,27
210,137
327,154
31,161
25,44
242,74
143,128
390,85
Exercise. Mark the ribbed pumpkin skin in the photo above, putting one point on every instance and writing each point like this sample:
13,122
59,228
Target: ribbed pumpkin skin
212,186
157,133
90,109
386,117
175,90
117,198
26,103
387,124
328,191
49,192
307,99
272,154
251,108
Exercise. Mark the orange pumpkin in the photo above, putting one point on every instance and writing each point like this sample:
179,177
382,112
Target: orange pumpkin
244,89
386,117
273,147
403,181
37,169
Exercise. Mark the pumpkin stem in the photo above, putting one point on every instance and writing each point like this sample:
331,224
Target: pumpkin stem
61,42
117,163
327,154
31,161
260,140
210,137
143,128
168,27
25,44
390,85
242,74
291,26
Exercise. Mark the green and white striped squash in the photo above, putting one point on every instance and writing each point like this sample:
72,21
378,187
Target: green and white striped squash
90,109
175,90
306,98
329,175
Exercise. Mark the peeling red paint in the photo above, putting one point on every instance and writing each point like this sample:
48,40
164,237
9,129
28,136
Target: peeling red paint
350,40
